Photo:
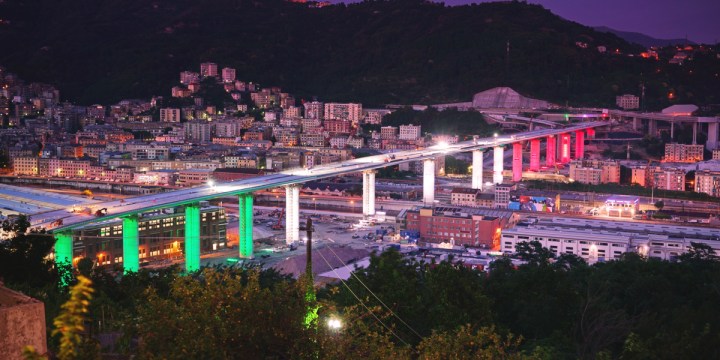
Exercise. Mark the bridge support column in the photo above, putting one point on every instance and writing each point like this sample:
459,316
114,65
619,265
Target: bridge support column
590,133
564,148
498,158
535,155
672,131
652,127
64,255
517,162
477,169
429,182
550,151
712,139
695,128
369,193
636,124
245,225
192,237
131,244
292,213
579,144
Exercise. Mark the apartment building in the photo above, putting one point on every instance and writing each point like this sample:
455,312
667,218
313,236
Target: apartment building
675,152
708,182
595,171
343,111
458,226
627,102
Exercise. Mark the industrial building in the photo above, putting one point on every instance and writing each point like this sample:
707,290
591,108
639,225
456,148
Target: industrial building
603,240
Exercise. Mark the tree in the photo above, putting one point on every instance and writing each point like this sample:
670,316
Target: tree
469,343
533,252
699,252
659,205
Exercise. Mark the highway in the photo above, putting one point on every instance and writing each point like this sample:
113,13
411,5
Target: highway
71,218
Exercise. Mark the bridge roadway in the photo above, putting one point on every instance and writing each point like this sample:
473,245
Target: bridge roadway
136,205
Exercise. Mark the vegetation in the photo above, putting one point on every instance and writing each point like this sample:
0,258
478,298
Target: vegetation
552,307
375,52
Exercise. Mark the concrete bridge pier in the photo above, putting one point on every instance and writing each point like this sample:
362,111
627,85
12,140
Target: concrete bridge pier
517,162
429,182
192,237
477,169
131,244
695,128
498,159
535,155
245,225
564,140
712,139
369,193
550,151
579,144
292,213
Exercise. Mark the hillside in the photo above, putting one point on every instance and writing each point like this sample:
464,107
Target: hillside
404,51
642,39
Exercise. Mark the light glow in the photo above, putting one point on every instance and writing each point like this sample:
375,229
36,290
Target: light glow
334,324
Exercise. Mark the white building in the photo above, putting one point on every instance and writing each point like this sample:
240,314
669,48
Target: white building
409,132
627,102
603,240
198,131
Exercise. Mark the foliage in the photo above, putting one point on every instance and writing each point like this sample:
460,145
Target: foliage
455,166
244,319
70,324
467,343
659,205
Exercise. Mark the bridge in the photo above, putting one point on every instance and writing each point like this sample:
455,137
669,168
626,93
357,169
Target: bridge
61,223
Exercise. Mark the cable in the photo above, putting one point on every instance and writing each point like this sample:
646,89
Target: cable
376,297
361,302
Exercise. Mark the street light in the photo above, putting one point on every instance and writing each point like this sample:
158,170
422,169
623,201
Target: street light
334,324
315,204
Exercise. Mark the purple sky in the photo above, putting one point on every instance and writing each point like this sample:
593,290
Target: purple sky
699,20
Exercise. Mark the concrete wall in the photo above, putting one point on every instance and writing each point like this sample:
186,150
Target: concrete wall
22,323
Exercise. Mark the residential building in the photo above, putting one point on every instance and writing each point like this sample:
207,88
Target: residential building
170,115
627,102
314,110
464,196
199,131
374,116
716,154
388,133
708,182
675,152
337,126
232,174
595,171
312,139
228,75
639,175
347,111
193,177
502,195
189,77
208,69
25,166
409,132
666,178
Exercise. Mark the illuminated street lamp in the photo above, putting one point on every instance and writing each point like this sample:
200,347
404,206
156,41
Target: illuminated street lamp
334,324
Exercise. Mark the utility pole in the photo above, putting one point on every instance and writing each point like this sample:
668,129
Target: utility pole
310,298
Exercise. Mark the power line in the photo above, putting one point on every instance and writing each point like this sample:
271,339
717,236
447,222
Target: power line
374,295
361,302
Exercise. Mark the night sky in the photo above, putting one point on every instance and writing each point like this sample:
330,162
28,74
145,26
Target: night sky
662,19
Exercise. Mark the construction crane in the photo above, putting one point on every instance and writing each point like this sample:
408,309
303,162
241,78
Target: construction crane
278,225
